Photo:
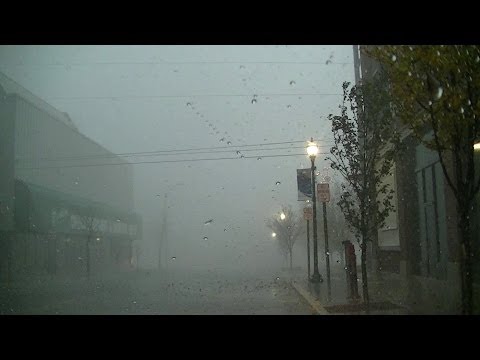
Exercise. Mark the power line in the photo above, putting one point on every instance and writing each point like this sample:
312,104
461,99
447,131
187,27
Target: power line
113,98
167,161
66,64
232,148
174,154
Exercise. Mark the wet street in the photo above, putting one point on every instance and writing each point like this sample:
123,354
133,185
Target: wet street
152,293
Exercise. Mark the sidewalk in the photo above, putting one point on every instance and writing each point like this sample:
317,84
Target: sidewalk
386,295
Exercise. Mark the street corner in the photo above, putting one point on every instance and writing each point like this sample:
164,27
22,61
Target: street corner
304,293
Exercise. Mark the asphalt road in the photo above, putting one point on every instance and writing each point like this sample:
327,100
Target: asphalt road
154,293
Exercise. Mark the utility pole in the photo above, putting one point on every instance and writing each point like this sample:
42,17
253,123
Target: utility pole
163,244
327,251
308,247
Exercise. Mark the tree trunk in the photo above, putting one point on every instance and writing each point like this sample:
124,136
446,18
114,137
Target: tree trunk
366,298
87,257
466,262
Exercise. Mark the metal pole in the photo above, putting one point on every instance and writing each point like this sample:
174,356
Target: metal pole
162,243
308,248
316,277
327,252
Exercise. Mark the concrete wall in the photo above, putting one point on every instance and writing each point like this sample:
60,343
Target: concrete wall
7,130
40,140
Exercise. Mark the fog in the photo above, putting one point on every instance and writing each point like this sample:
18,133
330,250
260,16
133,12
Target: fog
148,98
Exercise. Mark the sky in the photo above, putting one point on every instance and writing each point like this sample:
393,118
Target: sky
147,98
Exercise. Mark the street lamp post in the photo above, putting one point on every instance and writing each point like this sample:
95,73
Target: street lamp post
312,151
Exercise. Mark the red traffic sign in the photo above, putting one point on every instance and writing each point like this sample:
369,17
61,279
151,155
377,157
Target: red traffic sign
323,192
308,213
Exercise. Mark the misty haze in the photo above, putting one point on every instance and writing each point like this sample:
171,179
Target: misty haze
279,179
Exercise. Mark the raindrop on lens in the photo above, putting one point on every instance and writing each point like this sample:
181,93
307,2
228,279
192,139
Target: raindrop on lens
292,83
254,101
278,183
394,58
205,238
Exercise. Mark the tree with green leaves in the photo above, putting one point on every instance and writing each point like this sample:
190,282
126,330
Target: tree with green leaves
437,88
363,154
288,229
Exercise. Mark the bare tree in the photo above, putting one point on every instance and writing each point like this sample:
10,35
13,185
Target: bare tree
287,229
91,224
138,252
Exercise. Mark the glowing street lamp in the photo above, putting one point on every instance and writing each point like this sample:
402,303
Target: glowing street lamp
312,151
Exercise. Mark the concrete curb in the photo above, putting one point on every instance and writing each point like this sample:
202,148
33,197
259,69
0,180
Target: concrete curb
314,304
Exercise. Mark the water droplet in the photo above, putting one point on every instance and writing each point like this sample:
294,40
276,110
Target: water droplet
469,102
76,182
289,106
242,67
477,59
409,73
189,104
222,139
328,62
254,101
238,152
229,143
224,230
205,238
259,158
292,83
439,93
278,183
462,110
174,258
430,103
242,156
208,222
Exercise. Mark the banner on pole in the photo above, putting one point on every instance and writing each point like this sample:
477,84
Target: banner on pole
304,184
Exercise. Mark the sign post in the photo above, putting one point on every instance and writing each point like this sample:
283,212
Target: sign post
308,215
323,193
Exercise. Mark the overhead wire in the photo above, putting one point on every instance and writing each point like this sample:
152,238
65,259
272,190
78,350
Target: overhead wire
167,161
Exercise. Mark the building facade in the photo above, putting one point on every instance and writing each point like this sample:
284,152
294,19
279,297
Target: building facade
53,180
420,245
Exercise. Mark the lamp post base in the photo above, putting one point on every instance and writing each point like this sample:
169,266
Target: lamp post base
316,278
